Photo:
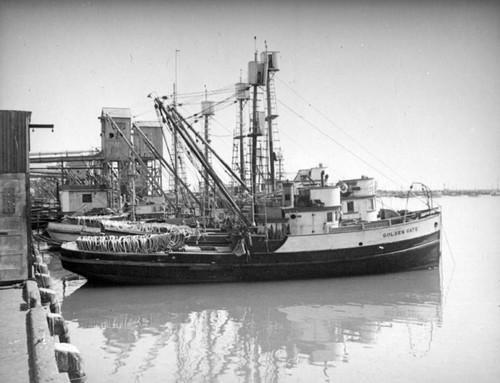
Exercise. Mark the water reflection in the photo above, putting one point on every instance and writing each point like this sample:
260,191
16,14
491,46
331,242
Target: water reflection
256,331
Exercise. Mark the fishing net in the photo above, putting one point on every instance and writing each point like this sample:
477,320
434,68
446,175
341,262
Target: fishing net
148,243
145,227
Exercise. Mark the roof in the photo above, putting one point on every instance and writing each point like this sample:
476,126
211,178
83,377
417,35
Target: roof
117,112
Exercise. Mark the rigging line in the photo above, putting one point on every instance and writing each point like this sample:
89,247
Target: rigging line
226,89
213,120
194,100
216,107
343,131
202,93
185,130
339,144
228,100
140,114
197,137
230,133
453,268
301,146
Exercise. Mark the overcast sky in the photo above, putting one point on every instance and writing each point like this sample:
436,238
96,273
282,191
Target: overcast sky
400,90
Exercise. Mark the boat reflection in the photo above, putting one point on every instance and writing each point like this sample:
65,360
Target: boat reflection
266,328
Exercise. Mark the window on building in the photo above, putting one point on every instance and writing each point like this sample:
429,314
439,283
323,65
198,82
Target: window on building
329,216
350,207
371,204
86,198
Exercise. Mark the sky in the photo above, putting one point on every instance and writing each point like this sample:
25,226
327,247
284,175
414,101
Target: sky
399,90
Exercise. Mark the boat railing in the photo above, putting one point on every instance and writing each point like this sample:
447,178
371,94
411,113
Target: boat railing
412,215
409,216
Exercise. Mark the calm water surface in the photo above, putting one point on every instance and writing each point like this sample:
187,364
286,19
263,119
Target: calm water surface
432,325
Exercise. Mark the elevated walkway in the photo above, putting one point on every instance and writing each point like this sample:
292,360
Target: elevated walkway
67,156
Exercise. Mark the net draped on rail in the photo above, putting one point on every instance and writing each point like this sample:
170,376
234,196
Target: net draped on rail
147,243
145,227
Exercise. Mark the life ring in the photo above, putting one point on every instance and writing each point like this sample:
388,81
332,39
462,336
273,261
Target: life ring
345,190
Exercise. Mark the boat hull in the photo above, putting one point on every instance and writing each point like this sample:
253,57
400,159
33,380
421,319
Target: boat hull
62,232
419,249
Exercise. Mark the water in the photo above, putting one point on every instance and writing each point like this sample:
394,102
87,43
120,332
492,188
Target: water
432,325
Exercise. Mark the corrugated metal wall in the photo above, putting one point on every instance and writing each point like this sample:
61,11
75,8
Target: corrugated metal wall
14,141
15,228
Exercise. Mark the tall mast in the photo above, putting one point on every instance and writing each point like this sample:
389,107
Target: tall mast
269,119
207,110
239,143
242,96
255,131
176,155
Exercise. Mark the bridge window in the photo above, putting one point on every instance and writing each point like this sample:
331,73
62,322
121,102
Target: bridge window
350,207
371,204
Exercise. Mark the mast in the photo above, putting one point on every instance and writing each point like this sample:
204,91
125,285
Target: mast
176,154
174,117
242,151
255,78
270,67
242,95
207,110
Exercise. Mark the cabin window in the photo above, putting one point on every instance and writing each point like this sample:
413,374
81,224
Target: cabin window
329,216
371,204
86,198
350,207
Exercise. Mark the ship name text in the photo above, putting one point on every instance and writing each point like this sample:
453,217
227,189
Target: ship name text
400,232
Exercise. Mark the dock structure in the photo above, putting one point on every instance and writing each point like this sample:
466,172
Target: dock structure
15,228
122,171
50,356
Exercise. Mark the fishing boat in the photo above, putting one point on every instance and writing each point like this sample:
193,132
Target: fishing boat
294,230
306,245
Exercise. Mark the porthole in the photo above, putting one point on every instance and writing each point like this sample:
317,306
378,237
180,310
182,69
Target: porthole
293,216
361,244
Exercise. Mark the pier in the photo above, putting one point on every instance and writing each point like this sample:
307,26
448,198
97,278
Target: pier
37,344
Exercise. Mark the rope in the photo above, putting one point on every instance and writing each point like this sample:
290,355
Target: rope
453,267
